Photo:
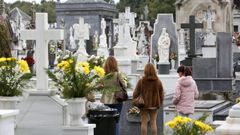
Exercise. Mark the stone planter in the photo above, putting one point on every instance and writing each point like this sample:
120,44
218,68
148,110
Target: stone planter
76,109
9,102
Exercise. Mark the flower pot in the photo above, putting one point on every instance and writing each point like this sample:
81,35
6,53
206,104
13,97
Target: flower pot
173,64
76,109
9,102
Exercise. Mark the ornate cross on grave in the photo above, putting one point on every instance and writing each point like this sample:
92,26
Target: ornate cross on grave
42,35
192,26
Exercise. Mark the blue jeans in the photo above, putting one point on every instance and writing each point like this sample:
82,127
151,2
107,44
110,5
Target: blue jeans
119,108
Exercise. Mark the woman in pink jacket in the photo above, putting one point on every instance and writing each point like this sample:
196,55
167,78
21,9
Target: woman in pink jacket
186,92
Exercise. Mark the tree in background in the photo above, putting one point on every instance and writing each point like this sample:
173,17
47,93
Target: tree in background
45,6
154,6
5,41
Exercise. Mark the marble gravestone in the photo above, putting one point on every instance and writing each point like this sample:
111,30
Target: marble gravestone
42,35
125,49
81,33
164,21
103,49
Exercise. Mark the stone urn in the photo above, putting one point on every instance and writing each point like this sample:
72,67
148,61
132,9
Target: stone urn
76,109
9,102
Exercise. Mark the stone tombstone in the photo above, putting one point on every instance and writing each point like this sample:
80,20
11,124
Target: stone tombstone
199,42
42,35
224,55
181,46
215,14
103,49
81,33
164,21
216,74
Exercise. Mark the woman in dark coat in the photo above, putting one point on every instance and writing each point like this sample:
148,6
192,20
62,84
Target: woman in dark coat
152,92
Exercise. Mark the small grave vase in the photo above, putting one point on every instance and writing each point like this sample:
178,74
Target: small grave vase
173,64
76,109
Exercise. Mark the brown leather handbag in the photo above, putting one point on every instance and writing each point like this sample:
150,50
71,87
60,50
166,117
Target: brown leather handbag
121,95
138,101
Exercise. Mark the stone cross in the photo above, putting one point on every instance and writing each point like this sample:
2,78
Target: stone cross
192,26
42,35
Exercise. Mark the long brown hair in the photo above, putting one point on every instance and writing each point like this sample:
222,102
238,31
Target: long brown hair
150,72
110,65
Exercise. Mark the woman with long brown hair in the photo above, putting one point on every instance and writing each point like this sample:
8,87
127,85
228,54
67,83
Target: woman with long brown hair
152,93
111,84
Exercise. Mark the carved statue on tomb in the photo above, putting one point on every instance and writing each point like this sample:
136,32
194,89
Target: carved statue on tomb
95,41
142,40
209,18
163,46
71,39
103,26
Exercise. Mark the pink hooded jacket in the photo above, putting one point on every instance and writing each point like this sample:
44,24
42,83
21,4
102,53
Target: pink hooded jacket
185,93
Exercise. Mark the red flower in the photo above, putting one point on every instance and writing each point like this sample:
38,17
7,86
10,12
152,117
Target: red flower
29,60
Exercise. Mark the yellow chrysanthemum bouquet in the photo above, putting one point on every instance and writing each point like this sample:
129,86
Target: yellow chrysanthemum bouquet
187,126
14,75
76,79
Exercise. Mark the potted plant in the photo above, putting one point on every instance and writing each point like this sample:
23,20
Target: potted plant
187,126
14,75
75,81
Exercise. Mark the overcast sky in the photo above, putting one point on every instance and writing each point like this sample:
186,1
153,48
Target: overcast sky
11,1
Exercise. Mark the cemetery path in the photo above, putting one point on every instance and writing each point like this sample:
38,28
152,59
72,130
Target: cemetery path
39,115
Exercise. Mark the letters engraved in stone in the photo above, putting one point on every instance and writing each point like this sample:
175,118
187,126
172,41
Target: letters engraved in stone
163,47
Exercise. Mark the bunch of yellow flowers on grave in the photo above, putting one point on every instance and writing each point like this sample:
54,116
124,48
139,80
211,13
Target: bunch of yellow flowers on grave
76,79
187,126
14,75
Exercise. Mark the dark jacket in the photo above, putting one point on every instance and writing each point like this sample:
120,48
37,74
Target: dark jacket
152,92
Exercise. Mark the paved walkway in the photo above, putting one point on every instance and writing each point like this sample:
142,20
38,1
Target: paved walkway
39,115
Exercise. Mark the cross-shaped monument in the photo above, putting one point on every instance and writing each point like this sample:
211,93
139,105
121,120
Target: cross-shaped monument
81,33
192,26
42,35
